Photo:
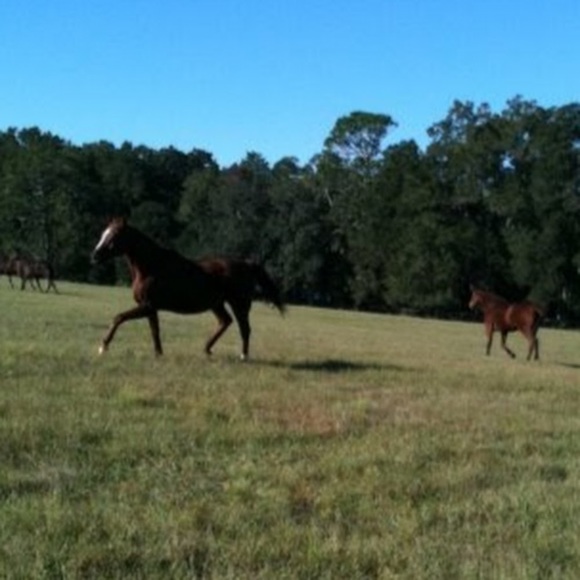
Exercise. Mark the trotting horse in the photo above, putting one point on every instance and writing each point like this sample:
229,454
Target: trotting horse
32,271
162,279
8,268
505,317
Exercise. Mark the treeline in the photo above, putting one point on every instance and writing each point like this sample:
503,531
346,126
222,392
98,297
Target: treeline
493,199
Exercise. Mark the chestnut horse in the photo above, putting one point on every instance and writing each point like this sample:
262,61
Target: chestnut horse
505,317
162,279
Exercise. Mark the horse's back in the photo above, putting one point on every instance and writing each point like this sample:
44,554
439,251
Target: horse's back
523,314
188,286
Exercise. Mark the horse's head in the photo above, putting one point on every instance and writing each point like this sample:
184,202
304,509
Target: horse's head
475,299
112,242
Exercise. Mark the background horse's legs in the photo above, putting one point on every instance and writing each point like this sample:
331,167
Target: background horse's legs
140,311
504,345
224,320
50,285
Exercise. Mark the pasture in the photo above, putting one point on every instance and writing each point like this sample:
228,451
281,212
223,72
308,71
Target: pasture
350,446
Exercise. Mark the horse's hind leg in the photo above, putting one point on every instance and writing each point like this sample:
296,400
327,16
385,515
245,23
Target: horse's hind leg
224,321
505,346
534,347
242,314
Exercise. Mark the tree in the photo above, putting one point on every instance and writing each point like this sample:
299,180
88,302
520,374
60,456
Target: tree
37,193
298,233
347,171
196,211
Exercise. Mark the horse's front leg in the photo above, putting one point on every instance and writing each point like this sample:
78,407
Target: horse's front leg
140,311
489,334
154,325
505,346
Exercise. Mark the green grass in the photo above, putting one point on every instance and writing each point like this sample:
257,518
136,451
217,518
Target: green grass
350,446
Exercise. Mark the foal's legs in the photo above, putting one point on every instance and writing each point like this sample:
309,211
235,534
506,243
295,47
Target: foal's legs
489,334
224,320
504,345
534,345
141,311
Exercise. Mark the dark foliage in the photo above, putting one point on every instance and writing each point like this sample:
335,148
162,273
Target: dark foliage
493,199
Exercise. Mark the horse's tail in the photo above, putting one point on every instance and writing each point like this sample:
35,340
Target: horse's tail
270,292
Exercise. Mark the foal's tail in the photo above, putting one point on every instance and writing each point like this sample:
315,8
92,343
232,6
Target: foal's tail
270,291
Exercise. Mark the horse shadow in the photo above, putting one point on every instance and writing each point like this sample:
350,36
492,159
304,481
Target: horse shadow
569,365
330,366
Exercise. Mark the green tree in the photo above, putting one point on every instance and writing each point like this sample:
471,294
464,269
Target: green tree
298,234
36,180
346,171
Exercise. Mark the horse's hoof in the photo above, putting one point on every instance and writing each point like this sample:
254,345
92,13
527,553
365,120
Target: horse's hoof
102,349
243,357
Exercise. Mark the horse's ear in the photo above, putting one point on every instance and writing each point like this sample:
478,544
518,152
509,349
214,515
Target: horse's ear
118,220
472,287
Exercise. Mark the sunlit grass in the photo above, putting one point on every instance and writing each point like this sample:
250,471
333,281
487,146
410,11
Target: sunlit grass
351,445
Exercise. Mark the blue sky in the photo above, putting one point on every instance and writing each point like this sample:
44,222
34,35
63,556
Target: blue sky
273,76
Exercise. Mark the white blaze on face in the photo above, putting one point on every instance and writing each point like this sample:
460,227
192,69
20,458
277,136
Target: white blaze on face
104,239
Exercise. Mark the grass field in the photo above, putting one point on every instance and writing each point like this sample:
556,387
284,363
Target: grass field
350,446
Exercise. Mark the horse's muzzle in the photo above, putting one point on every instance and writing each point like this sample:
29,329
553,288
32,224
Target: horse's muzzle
96,258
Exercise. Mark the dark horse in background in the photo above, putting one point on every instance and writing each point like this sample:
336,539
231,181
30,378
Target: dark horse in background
30,271
8,267
506,317
162,279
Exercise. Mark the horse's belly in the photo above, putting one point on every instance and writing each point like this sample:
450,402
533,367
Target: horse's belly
185,300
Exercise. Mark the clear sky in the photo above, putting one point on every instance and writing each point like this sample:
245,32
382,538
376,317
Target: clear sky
273,76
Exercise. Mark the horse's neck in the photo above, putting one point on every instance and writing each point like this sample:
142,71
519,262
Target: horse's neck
147,258
144,255
493,301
